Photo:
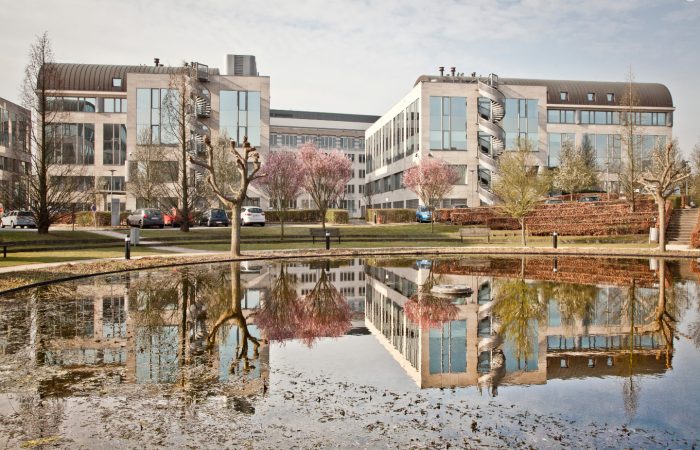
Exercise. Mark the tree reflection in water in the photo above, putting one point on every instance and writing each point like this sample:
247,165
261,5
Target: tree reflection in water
428,310
280,314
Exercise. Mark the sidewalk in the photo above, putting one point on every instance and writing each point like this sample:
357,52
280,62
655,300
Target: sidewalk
152,244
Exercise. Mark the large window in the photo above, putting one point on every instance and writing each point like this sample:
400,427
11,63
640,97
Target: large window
607,149
600,117
113,105
448,123
240,115
4,127
520,121
556,140
73,104
154,121
448,348
560,116
114,144
462,171
72,143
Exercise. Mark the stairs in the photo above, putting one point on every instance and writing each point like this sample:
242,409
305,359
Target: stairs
681,226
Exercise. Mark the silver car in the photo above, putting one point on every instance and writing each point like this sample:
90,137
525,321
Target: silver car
16,219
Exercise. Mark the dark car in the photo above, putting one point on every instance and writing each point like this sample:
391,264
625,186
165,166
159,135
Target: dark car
213,217
146,217
589,198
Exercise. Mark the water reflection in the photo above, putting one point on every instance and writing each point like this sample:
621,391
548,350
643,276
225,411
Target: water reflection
528,323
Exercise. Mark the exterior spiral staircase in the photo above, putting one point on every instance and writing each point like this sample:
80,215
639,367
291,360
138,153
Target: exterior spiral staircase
490,114
201,97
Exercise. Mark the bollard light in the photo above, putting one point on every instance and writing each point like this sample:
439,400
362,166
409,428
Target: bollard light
127,247
554,240
328,240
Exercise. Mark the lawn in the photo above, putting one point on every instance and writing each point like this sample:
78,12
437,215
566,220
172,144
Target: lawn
32,235
15,259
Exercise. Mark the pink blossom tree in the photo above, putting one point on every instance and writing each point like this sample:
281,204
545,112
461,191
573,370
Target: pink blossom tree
431,180
326,312
282,183
326,174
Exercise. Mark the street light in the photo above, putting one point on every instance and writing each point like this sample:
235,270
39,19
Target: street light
111,188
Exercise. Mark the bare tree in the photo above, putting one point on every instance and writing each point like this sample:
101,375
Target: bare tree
228,176
577,169
149,172
519,186
631,143
55,179
666,172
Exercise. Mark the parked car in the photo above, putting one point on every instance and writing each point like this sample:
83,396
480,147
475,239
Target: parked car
145,217
16,219
553,201
589,198
459,206
423,214
252,215
174,218
213,217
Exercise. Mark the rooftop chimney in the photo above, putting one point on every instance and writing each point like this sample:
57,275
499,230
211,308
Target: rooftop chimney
156,61
442,70
452,70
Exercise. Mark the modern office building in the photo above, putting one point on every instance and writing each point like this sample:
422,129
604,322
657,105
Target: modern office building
14,155
330,131
108,111
468,121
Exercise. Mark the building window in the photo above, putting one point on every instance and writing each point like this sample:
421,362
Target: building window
154,123
114,144
563,96
361,158
71,104
556,141
114,105
560,116
590,96
607,149
4,127
600,117
116,82
521,121
448,123
610,97
462,171
72,143
239,115
118,183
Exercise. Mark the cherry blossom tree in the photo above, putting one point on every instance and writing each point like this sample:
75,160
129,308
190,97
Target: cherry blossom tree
281,313
430,311
326,312
282,183
326,174
431,180
228,176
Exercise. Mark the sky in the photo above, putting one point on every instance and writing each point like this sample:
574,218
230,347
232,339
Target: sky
363,56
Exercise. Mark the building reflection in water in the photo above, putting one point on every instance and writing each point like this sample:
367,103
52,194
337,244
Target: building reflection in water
525,323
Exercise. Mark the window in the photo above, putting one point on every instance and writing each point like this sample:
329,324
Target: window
607,150
448,123
462,171
349,188
610,97
347,276
114,105
560,116
118,183
600,117
347,291
590,96
556,140
521,121
240,115
72,143
361,173
71,104
114,144
4,127
563,96
116,82
154,124
361,158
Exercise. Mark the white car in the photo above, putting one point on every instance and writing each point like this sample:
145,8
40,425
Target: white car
15,219
252,215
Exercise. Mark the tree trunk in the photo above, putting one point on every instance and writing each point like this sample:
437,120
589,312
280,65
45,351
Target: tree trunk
283,213
523,238
432,219
236,230
323,217
661,204
185,224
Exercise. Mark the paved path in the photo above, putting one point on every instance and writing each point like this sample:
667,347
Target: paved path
151,244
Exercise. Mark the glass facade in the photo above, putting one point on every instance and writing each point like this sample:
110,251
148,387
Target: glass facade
607,149
555,143
395,140
72,143
521,120
448,348
239,115
600,117
72,104
113,105
4,127
448,123
114,144
154,125
561,116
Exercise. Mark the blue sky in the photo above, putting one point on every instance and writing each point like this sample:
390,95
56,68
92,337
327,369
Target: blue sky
362,56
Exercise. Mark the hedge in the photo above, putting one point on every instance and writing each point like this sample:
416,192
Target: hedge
295,215
87,218
391,215
337,216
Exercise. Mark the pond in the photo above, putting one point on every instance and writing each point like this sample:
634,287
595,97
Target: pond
425,353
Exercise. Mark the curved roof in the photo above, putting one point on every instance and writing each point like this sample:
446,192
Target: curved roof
648,94
98,77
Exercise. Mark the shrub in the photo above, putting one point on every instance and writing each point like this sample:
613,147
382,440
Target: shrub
295,215
337,216
392,215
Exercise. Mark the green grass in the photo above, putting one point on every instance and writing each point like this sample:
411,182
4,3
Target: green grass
22,236
15,259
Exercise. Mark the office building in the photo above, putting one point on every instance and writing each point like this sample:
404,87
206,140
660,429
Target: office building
14,155
468,121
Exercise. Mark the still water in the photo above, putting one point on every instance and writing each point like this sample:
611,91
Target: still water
468,352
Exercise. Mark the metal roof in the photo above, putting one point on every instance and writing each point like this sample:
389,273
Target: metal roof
312,115
98,77
648,94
